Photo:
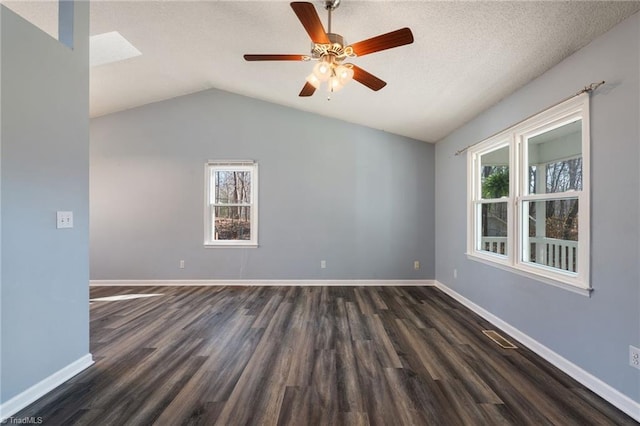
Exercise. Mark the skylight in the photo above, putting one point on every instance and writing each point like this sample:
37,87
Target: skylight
110,47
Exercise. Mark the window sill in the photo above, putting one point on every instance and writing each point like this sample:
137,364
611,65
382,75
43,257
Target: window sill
230,245
534,276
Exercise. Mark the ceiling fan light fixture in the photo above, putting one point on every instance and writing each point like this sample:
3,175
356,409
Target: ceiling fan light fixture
335,84
322,70
330,50
313,80
344,74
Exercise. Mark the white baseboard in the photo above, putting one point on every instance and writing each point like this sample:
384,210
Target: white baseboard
248,283
41,388
610,394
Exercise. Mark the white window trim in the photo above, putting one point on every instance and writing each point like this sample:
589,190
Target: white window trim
515,137
238,165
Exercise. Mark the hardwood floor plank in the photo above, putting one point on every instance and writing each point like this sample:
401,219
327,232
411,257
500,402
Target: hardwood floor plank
353,419
308,356
357,326
408,413
508,385
387,354
429,398
295,407
215,380
457,366
326,329
129,392
266,314
299,373
613,415
348,384
377,300
498,414
154,402
364,302
324,387
424,351
407,310
437,320
376,393
263,381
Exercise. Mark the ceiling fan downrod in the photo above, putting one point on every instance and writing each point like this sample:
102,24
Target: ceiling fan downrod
330,5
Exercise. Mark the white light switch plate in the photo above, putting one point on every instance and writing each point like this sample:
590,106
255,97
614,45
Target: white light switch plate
64,220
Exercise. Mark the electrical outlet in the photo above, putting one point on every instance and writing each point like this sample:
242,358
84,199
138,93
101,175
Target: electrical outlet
323,264
634,357
416,264
64,220
182,264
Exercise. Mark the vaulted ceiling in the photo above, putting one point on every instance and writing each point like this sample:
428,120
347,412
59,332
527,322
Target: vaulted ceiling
466,55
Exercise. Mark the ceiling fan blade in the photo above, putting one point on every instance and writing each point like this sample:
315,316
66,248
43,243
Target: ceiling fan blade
369,80
306,13
275,57
383,42
307,90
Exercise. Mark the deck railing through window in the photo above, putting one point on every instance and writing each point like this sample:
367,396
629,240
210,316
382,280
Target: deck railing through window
559,254
495,244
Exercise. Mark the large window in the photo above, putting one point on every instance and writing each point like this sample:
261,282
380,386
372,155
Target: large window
528,197
231,204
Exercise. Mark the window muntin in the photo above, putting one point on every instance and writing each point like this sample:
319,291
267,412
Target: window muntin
231,216
545,207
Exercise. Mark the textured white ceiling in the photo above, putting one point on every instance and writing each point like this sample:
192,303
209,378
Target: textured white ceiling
466,55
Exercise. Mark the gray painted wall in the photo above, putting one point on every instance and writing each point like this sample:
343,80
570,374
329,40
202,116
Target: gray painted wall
358,198
45,168
593,333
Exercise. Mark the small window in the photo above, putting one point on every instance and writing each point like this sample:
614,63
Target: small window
528,197
231,204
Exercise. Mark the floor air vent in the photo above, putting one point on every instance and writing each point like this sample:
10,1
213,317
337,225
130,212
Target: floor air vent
504,343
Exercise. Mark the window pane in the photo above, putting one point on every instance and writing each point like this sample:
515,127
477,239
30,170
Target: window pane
493,223
555,160
494,173
231,187
232,223
552,237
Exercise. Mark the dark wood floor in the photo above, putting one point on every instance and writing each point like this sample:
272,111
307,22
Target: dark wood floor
308,356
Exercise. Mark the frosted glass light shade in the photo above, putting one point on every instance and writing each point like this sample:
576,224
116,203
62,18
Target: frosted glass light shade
335,84
344,74
313,80
322,70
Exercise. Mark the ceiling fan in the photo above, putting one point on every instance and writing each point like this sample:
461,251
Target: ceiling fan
331,50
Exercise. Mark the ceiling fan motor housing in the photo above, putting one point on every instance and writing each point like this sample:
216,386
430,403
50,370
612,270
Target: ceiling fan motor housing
337,49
